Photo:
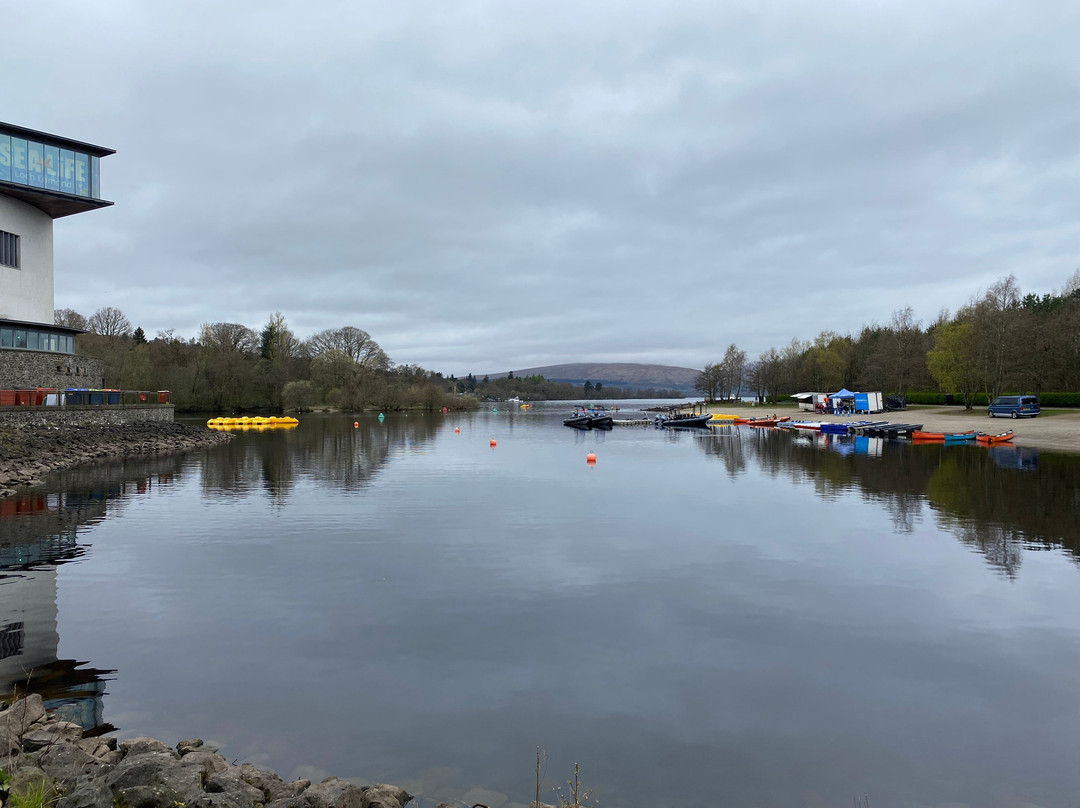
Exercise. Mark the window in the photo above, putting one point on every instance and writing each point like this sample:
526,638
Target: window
9,250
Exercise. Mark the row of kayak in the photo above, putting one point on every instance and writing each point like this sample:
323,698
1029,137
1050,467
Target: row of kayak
884,429
249,421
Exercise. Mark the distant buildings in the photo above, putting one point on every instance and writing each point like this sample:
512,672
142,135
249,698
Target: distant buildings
42,177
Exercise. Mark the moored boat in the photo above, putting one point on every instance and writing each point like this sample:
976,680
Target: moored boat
684,420
772,421
578,422
990,440
945,437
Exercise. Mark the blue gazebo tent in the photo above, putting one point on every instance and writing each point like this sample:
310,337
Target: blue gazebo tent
860,402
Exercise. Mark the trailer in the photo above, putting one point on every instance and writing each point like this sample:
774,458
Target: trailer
869,402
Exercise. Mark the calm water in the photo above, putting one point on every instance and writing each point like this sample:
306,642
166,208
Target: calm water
743,617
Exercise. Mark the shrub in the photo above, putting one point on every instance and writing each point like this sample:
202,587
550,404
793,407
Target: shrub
1059,399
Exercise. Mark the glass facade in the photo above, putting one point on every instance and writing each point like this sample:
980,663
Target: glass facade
36,339
40,165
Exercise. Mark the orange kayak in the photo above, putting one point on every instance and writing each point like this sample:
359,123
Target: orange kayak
989,440
946,437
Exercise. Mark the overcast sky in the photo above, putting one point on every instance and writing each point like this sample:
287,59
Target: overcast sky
495,185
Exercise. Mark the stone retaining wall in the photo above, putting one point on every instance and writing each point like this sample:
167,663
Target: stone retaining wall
73,415
21,369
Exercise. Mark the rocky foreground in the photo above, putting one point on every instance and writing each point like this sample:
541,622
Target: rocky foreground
49,764
28,453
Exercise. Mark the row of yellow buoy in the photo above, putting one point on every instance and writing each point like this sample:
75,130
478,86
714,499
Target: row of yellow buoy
256,421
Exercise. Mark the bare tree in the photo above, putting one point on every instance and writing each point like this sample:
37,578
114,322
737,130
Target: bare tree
708,381
353,342
109,322
733,368
999,354
69,318
228,338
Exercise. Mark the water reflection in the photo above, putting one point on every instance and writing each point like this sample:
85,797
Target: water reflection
729,601
1000,500
38,534
325,450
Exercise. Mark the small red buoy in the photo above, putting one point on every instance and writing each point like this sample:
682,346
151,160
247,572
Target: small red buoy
456,430
590,459
493,443
355,424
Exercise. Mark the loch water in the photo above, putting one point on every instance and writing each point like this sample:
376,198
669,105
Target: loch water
730,617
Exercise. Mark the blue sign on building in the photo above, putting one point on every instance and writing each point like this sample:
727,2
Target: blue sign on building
40,164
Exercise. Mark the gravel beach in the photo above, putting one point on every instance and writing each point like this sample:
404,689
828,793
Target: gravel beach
1052,430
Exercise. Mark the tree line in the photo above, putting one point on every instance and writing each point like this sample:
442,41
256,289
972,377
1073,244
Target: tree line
231,367
1001,341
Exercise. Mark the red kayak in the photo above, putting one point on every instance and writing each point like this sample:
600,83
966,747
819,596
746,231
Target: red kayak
763,421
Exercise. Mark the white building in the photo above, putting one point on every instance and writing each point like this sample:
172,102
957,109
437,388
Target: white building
42,177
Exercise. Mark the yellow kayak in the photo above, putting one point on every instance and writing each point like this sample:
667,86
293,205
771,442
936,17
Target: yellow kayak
246,421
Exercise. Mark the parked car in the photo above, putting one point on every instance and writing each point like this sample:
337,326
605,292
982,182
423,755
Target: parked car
1014,406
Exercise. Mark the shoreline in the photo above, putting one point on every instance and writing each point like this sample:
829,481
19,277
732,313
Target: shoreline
43,755
29,453
1053,430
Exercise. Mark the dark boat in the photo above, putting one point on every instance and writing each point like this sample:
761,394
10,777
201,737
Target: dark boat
685,420
601,422
578,422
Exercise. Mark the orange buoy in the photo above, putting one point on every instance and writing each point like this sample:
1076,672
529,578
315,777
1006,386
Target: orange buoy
590,458
355,424
493,443
456,430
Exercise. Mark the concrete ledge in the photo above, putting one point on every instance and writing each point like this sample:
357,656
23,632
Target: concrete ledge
85,415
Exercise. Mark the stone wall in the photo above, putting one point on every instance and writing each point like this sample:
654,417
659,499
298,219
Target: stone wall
21,369
83,416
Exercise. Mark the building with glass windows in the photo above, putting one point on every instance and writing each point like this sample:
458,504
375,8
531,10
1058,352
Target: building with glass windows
43,177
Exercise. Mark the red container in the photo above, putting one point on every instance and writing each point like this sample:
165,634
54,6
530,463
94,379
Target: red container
7,398
162,396
22,398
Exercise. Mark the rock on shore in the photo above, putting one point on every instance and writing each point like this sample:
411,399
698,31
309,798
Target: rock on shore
28,453
40,754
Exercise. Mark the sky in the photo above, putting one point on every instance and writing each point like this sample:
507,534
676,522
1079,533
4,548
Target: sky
486,186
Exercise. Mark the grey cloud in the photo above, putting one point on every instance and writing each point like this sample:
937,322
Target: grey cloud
483,186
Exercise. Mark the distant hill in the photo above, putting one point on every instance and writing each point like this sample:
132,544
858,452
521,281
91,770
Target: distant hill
619,374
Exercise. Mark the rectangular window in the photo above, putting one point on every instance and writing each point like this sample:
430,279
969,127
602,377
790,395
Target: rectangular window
5,158
20,337
35,163
67,171
82,174
7,338
9,249
18,160
52,168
